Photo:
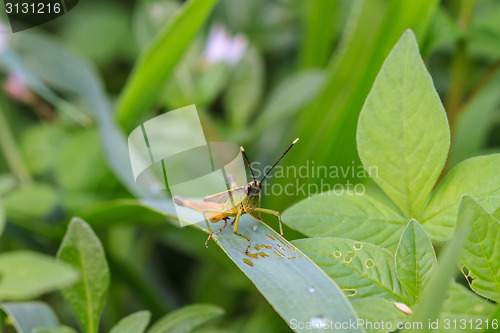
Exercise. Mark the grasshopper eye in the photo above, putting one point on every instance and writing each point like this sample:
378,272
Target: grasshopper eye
248,188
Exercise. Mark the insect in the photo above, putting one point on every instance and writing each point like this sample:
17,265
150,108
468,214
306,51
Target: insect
234,202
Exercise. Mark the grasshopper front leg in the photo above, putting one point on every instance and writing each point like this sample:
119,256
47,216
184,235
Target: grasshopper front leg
235,230
272,212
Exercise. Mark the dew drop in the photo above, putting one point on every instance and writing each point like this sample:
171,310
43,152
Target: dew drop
254,227
369,263
311,289
318,323
337,254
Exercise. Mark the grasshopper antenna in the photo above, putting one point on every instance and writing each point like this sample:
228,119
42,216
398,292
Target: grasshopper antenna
248,162
279,159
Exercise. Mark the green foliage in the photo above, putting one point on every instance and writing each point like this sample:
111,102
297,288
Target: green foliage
415,259
186,319
157,62
402,103
479,261
26,275
82,249
306,70
134,323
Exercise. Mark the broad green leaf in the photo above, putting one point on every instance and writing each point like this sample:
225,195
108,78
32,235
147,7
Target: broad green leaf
415,259
25,275
361,269
494,318
463,305
477,177
157,62
403,130
134,323
496,213
481,256
27,316
430,301
360,217
186,318
328,125
374,310
32,201
294,286
61,329
245,88
82,249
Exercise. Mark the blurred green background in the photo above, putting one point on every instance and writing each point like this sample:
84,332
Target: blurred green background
260,72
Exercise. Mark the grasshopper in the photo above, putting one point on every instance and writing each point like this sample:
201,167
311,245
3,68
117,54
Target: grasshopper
234,202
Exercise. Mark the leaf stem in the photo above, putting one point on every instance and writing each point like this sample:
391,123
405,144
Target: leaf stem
11,151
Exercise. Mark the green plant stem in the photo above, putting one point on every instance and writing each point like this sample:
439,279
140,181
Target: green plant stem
11,152
459,66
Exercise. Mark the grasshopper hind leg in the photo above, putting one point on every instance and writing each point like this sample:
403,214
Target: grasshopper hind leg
225,223
235,230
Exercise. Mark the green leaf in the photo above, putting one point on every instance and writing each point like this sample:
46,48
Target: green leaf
2,218
295,287
415,259
403,130
495,316
186,318
289,96
430,301
82,249
122,212
157,62
361,269
360,217
39,198
463,305
375,309
28,316
481,249
134,323
477,177
61,329
25,275
245,88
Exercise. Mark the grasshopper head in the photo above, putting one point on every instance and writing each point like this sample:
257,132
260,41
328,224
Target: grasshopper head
252,189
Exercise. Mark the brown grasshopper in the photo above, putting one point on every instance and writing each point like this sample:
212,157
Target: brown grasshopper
234,202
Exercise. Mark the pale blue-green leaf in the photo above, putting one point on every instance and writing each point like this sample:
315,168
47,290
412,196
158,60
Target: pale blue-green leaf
82,249
376,309
431,300
134,323
359,217
291,282
463,305
361,269
186,319
415,259
27,316
403,130
156,63
25,275
477,177
481,256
